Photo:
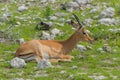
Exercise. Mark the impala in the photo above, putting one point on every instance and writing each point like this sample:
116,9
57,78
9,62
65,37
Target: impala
53,50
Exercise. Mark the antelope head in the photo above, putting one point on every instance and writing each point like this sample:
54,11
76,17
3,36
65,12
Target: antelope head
80,29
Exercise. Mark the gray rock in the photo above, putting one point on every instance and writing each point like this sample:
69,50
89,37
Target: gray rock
114,30
107,48
58,14
62,72
46,36
82,2
88,22
108,12
70,9
74,67
42,64
5,17
52,18
20,41
55,32
59,24
46,1
100,49
44,25
93,11
62,20
73,5
17,63
81,48
107,21
22,8
17,79
97,77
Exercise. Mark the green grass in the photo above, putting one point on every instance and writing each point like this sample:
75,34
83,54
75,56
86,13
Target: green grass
92,62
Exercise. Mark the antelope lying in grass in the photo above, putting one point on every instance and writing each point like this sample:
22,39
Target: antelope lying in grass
51,49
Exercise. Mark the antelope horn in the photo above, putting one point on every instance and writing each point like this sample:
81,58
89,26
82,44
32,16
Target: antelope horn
77,20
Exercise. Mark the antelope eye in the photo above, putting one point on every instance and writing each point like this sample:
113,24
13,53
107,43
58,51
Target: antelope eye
84,33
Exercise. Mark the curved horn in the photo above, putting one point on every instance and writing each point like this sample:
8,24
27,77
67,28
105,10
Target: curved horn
77,20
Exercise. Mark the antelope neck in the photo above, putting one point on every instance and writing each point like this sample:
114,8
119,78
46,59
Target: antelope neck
71,42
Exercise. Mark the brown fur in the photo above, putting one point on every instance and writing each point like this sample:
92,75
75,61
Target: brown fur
51,49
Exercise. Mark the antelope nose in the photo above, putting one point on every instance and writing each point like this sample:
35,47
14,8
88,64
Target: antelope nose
91,41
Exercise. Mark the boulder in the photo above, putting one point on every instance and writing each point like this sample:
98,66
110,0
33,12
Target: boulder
42,64
107,21
108,12
81,48
17,63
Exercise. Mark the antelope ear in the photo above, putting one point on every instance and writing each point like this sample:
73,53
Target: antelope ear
77,19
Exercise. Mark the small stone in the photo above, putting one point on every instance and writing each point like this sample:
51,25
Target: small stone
81,48
46,36
100,49
22,8
56,32
60,14
107,48
74,67
62,72
83,2
108,12
60,24
20,41
88,22
93,11
42,64
114,30
53,18
62,20
107,21
73,5
17,63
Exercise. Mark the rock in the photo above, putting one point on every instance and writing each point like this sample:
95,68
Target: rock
93,10
70,9
74,67
81,48
52,18
107,21
114,30
60,14
44,25
83,2
17,79
17,63
22,8
5,17
107,48
73,5
47,1
88,22
62,72
62,20
55,32
46,36
42,64
20,41
59,24
100,49
43,1
97,77
108,12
